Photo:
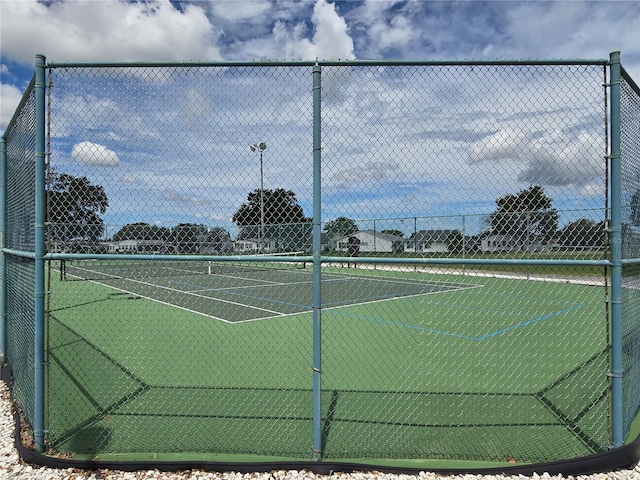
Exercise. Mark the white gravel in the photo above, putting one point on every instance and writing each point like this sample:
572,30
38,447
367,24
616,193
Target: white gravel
11,467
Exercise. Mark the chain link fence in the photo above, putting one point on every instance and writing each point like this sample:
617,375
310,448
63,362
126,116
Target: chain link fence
346,261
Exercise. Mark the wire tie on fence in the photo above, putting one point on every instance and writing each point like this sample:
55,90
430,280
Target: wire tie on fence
317,370
615,375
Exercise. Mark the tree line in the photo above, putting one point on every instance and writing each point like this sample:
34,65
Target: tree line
75,209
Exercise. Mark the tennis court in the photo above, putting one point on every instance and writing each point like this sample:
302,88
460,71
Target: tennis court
220,359
248,292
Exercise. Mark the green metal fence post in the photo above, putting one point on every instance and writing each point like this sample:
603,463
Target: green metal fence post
616,255
40,217
317,265
3,271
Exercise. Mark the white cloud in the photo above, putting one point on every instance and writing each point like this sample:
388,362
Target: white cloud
88,153
106,31
129,179
240,10
171,195
371,172
566,30
399,31
387,26
593,190
505,143
9,99
552,159
330,40
195,107
556,160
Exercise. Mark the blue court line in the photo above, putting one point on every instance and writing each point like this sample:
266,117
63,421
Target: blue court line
457,306
403,325
457,335
531,321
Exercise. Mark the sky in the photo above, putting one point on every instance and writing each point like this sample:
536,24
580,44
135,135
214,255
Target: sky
369,178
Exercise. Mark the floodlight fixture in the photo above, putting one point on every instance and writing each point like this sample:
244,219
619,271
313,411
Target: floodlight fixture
258,147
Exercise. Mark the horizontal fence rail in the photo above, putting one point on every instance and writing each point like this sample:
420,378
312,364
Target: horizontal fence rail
328,261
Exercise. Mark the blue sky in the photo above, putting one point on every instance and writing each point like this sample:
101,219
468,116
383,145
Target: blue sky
110,30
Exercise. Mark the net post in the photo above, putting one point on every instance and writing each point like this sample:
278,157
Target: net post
616,370
317,264
39,229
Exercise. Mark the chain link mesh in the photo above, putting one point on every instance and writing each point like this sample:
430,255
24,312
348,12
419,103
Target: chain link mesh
469,360
630,179
19,276
464,209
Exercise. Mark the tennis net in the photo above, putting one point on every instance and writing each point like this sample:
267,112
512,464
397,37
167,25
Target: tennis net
98,269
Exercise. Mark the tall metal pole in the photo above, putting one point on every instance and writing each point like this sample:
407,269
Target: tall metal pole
260,148
39,228
317,266
616,370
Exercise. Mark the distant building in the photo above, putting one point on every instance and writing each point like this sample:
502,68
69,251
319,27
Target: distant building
429,241
513,243
140,246
372,241
501,243
253,245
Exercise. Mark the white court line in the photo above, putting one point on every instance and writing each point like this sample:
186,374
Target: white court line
377,300
183,292
401,297
277,314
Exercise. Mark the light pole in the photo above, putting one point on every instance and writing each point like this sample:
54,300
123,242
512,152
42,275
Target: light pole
260,147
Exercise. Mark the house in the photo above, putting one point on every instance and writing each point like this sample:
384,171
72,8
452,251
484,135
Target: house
514,243
429,241
371,241
140,246
253,245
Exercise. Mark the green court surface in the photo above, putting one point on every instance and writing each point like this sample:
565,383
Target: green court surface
415,365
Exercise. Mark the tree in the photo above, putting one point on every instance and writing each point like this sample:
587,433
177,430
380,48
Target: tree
340,227
583,234
142,231
188,237
527,216
280,206
275,215
218,240
75,207
455,241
